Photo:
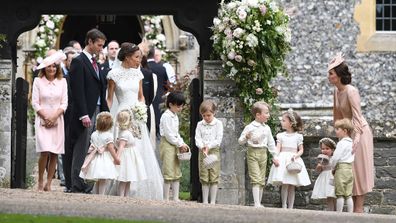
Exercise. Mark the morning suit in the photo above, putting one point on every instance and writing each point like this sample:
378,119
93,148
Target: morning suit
89,98
148,92
162,79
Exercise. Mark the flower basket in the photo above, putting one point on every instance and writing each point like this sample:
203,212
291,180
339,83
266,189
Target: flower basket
185,156
210,161
294,167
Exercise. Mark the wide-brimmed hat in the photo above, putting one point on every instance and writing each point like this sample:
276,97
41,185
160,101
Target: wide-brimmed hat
55,58
337,60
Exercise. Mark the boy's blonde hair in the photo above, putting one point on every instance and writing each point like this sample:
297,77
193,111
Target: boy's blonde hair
124,119
207,106
344,124
258,107
104,121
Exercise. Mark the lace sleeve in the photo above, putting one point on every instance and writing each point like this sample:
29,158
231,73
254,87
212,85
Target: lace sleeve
112,75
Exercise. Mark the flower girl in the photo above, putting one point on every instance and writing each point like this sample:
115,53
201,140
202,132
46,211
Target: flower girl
99,164
323,188
290,146
131,168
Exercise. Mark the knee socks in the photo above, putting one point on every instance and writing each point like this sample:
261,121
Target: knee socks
166,191
175,190
349,202
340,204
213,193
205,193
256,195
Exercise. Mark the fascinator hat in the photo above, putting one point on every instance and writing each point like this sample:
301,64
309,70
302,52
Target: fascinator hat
337,60
54,58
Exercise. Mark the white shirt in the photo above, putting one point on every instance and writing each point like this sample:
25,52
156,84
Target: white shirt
170,72
261,136
209,134
343,152
169,128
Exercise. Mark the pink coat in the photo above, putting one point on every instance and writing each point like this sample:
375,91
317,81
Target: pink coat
49,96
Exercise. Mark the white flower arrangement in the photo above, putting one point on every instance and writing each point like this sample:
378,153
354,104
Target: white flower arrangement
47,33
153,31
252,39
139,111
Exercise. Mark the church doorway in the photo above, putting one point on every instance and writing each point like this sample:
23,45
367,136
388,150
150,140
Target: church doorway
119,28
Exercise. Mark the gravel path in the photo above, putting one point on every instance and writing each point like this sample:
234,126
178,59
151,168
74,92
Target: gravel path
62,204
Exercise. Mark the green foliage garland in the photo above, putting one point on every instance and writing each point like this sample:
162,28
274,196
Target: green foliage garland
252,39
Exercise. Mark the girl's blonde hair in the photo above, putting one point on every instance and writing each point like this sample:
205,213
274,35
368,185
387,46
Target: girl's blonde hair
207,106
104,121
124,119
328,142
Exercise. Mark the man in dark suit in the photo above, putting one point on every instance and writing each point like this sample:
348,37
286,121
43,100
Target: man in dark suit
89,98
148,88
67,158
162,79
112,48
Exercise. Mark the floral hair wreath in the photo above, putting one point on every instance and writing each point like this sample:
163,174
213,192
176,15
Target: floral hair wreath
293,120
328,140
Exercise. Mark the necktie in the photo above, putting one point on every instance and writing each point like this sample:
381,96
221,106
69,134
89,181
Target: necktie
95,65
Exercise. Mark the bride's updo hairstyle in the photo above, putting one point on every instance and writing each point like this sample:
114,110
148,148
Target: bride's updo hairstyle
176,98
127,49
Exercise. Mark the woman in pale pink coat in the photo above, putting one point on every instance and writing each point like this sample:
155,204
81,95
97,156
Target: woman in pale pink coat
49,101
347,105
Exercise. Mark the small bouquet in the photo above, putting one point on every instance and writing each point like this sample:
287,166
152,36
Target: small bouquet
139,111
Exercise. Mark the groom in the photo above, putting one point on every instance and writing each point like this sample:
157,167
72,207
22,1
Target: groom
89,98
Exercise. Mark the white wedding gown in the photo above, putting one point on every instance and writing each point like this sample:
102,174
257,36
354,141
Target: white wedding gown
126,91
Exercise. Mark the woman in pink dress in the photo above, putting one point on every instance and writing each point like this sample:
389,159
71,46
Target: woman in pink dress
347,105
49,101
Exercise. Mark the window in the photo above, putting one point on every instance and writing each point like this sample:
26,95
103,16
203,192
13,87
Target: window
377,23
386,15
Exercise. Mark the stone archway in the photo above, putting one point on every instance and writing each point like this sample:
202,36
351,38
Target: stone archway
21,15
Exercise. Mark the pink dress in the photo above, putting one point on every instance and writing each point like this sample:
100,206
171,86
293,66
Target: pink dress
347,105
49,96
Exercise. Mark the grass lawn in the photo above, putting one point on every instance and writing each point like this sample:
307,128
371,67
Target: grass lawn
21,218
184,196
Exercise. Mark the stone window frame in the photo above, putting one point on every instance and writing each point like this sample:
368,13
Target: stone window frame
369,39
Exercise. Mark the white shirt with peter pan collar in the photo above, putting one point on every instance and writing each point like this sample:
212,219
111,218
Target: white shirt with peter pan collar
261,136
343,152
209,134
169,128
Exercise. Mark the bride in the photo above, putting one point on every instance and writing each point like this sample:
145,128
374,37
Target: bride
125,80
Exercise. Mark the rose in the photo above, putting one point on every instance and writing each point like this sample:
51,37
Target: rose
242,14
251,3
252,40
50,24
238,58
259,91
238,32
251,63
263,9
231,55
216,21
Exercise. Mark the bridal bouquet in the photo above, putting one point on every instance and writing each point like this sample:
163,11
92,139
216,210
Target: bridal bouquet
252,39
139,111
